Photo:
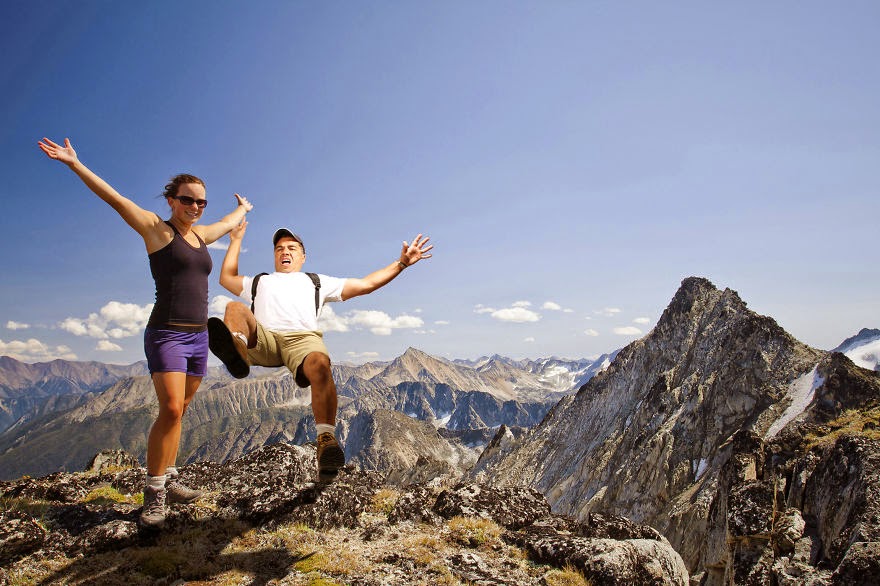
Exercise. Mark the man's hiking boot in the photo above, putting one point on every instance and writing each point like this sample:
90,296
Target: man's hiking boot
231,351
330,457
153,513
177,492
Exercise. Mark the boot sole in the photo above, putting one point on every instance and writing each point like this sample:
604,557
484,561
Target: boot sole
332,459
222,344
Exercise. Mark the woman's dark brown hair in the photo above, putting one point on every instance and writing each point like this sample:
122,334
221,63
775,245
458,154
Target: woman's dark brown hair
177,181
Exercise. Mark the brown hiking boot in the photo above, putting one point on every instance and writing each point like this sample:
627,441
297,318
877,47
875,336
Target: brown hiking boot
330,457
231,351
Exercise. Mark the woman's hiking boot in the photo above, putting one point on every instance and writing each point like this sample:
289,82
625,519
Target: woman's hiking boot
153,513
177,492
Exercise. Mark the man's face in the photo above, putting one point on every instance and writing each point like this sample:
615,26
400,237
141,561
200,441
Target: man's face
289,255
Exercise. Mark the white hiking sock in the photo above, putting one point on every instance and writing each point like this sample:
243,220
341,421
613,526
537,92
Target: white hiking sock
326,428
241,337
171,472
156,482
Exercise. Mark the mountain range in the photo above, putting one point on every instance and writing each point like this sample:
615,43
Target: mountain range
755,455
77,409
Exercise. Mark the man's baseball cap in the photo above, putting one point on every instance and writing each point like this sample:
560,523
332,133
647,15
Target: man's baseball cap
285,233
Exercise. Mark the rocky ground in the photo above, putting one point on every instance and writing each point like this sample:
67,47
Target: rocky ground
262,521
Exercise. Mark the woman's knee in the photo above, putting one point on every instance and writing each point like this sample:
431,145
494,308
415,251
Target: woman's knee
171,411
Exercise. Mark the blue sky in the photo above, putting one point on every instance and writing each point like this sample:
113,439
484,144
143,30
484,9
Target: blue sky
572,162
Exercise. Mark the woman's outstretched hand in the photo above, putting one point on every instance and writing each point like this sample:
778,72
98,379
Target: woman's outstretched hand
65,153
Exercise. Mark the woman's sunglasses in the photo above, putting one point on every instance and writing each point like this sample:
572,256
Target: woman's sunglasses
188,201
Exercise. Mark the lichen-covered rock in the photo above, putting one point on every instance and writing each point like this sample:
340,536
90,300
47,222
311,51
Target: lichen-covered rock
416,505
470,568
750,510
510,507
609,562
108,536
112,459
20,534
860,566
788,530
59,487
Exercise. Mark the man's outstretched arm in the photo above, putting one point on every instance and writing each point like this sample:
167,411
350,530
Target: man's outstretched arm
229,277
410,254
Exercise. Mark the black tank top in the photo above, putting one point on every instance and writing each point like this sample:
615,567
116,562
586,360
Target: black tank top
181,275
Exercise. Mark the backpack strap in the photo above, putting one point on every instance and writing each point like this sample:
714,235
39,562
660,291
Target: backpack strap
317,282
254,289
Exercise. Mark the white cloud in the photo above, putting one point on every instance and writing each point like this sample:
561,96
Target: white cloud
106,346
480,308
218,245
217,306
362,355
378,322
642,320
552,306
608,312
529,339
33,350
14,325
521,304
591,332
330,322
628,331
567,310
114,320
441,322
516,315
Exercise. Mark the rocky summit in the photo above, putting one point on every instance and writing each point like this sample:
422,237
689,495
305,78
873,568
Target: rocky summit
263,520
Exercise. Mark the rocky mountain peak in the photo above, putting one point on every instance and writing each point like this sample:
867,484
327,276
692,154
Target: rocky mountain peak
864,336
645,438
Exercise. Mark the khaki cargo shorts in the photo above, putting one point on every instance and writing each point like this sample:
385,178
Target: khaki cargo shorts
286,349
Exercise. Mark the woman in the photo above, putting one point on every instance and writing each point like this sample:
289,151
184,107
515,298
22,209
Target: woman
176,337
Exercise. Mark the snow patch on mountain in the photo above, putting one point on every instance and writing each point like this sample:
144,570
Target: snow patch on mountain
801,391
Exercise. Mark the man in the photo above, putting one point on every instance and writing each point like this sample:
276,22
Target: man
283,327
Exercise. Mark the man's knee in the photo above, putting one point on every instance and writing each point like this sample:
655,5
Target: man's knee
236,309
316,367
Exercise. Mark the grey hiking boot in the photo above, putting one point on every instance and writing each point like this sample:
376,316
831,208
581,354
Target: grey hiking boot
153,513
177,492
330,457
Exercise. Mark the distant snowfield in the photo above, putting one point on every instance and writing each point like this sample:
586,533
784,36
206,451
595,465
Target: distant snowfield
866,355
801,391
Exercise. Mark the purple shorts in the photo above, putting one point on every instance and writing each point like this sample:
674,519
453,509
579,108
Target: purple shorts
170,351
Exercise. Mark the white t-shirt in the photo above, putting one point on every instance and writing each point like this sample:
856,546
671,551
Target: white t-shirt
286,301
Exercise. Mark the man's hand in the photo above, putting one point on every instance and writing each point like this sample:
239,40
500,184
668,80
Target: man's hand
413,253
237,233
